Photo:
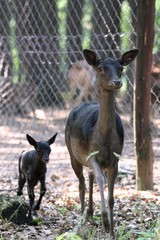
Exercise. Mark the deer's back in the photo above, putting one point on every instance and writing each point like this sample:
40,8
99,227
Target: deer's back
81,125
29,164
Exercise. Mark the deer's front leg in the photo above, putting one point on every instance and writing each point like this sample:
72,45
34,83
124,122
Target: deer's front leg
112,173
100,181
31,195
42,193
90,203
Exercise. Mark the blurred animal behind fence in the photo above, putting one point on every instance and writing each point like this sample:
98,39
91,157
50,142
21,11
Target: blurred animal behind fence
155,93
155,73
155,87
32,168
82,81
17,98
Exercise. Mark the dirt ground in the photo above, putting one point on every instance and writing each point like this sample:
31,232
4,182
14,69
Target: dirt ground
60,209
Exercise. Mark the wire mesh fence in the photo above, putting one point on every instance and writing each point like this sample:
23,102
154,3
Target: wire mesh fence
43,73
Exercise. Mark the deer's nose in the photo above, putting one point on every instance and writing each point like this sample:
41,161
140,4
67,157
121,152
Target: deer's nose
115,83
46,160
118,83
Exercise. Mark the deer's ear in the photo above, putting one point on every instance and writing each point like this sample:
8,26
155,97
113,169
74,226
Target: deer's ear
128,57
90,57
52,139
31,140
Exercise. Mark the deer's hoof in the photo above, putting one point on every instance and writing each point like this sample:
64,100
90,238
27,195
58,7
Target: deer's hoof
30,216
106,222
34,212
89,212
19,193
35,207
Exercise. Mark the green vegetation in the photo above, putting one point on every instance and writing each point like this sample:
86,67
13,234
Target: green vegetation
13,209
136,220
14,52
92,154
69,236
157,28
126,28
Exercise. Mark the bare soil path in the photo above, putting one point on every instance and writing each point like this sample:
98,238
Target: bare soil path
60,209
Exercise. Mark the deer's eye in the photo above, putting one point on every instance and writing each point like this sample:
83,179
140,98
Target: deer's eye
121,69
39,151
99,69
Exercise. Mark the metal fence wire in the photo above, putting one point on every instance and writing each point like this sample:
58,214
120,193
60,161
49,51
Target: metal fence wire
42,70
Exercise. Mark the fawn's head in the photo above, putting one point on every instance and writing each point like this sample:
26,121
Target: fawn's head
109,70
42,148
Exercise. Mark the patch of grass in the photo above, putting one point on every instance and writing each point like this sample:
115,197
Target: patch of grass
68,236
36,221
62,210
122,233
146,236
92,233
140,227
13,209
92,154
1,237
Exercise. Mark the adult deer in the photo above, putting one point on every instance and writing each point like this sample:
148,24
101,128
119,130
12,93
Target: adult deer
94,134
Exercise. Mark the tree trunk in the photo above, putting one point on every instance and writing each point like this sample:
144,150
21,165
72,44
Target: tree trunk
142,125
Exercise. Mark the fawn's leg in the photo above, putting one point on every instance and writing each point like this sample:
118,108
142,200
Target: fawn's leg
21,182
31,195
42,193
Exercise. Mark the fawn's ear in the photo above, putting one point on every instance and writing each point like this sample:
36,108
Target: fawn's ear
31,140
52,139
128,57
90,57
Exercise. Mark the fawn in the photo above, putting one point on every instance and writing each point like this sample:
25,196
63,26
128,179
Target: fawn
32,168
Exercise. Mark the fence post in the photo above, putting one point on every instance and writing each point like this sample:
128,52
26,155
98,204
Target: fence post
142,125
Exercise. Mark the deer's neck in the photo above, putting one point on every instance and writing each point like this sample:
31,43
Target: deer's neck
106,119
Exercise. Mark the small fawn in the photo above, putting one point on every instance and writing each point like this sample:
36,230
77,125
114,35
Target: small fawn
32,168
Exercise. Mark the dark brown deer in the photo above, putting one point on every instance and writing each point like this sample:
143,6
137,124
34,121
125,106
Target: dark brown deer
32,168
94,134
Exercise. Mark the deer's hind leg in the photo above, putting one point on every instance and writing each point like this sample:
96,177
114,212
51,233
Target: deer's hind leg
112,173
42,193
90,202
21,182
78,169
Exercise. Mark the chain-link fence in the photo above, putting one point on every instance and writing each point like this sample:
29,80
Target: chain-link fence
40,41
